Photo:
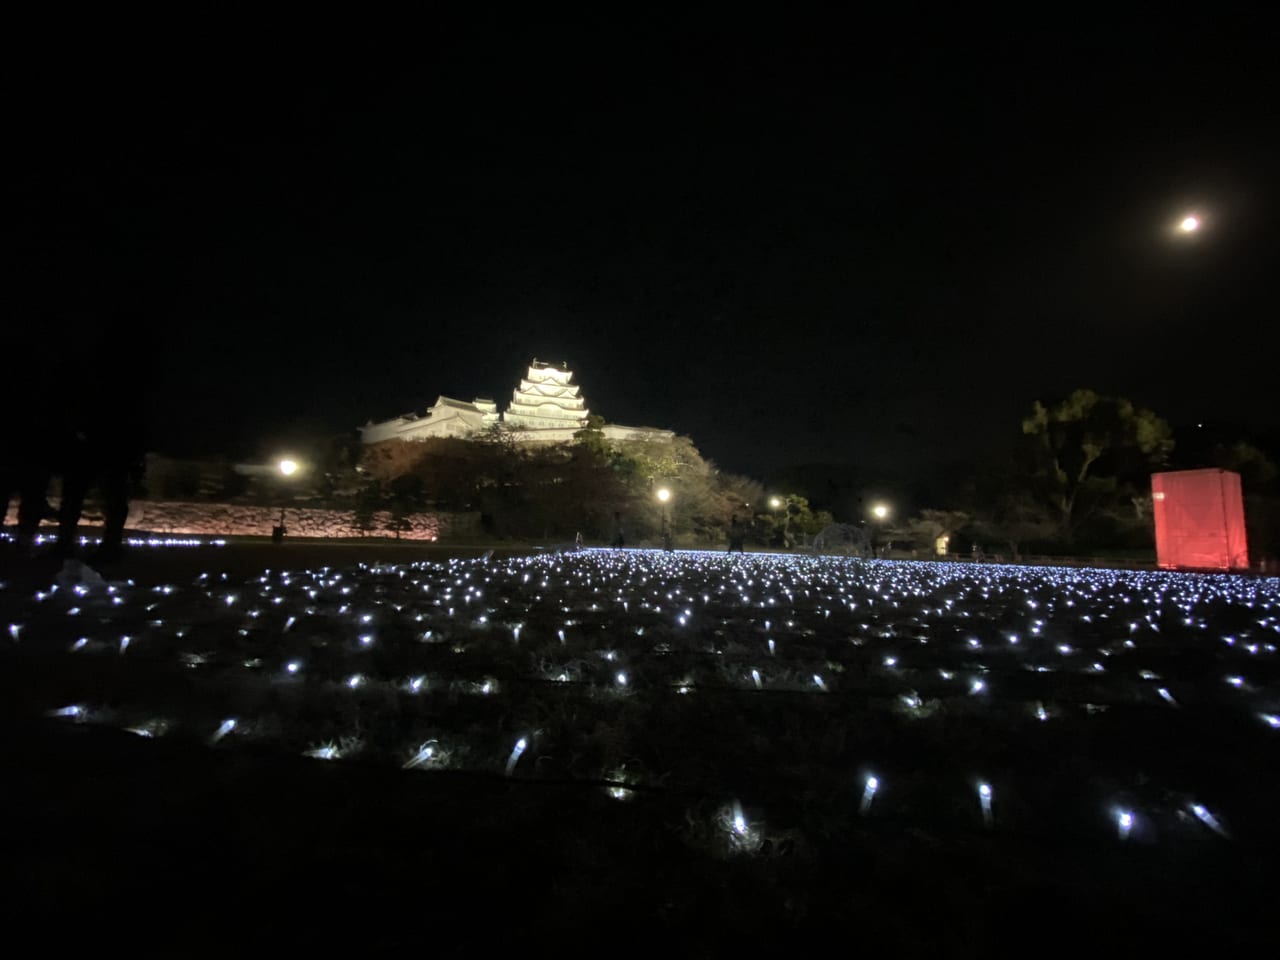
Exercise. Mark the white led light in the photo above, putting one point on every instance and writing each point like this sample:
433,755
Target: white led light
739,820
422,756
226,727
869,788
516,752
1208,819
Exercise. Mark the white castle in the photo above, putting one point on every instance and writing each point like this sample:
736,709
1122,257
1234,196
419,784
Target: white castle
545,408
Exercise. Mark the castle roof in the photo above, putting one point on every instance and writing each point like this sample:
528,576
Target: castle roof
443,401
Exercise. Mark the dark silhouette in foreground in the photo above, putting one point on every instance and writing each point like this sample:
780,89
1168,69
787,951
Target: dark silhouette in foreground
83,425
103,442
25,473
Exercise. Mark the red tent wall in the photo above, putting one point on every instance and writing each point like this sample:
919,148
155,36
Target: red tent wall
1199,520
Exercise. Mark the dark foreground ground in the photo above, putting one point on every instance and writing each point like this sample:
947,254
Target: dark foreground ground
161,847
168,845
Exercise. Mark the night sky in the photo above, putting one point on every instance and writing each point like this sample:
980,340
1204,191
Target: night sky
853,245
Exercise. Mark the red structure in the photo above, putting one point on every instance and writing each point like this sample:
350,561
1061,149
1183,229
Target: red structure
1199,520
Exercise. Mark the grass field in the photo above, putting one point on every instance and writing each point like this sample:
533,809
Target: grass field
394,747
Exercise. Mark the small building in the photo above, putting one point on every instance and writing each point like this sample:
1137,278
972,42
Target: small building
1199,517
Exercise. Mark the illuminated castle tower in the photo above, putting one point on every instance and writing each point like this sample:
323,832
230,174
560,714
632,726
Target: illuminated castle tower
546,400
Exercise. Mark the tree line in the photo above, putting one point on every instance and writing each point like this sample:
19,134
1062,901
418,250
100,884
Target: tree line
1075,481
591,487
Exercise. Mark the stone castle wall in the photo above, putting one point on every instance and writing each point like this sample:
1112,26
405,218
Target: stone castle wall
169,517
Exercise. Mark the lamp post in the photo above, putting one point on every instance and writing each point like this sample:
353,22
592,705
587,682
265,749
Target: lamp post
780,503
664,495
287,469
881,512
1188,226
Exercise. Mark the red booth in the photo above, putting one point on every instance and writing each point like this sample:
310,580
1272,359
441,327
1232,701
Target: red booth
1199,520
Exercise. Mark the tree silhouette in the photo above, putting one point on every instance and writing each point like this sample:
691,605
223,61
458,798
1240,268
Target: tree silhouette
1086,452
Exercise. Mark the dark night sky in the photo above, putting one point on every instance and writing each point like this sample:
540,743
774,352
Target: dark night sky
860,246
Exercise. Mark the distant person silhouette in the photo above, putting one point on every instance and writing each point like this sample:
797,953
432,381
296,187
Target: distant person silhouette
85,291
27,444
618,540
25,473
737,535
102,441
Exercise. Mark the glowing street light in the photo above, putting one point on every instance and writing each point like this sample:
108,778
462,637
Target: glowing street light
784,504
287,469
881,512
1189,224
664,495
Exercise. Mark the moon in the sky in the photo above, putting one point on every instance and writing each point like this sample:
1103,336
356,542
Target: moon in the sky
1189,224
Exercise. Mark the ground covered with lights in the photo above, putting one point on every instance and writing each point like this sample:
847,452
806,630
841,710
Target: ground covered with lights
719,746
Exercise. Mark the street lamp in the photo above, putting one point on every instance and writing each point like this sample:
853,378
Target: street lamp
664,495
287,469
1187,226
779,503
880,511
